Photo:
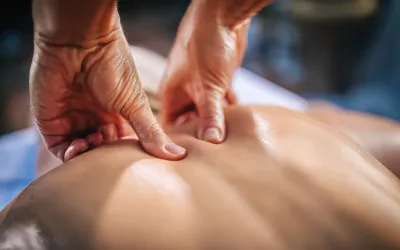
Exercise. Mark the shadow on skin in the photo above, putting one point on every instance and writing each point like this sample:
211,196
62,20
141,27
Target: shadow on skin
97,188
280,181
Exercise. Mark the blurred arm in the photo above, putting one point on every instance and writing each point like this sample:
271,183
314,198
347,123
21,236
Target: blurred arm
74,22
233,12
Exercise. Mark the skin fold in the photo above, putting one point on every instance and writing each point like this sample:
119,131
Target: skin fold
281,180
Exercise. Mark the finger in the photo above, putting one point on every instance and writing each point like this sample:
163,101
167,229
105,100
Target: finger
109,132
58,150
150,134
95,140
231,98
212,119
76,148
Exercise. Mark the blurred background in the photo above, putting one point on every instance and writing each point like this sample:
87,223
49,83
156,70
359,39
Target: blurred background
343,51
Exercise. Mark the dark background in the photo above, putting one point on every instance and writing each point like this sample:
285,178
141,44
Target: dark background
327,58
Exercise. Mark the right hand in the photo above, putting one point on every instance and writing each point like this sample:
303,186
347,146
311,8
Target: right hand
83,97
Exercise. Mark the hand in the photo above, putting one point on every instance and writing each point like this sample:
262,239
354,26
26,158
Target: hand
200,70
83,97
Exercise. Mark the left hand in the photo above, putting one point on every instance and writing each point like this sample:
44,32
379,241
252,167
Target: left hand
200,70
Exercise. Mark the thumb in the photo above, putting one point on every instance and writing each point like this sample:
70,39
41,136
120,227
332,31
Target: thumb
211,114
150,134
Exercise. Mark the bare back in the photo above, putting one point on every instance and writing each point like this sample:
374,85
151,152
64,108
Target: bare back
280,181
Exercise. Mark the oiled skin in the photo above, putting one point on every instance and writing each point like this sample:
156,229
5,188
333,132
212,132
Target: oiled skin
378,135
280,181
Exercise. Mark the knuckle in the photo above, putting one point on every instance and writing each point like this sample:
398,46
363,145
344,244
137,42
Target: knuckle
148,133
134,105
211,113
127,93
124,85
217,80
210,100
155,130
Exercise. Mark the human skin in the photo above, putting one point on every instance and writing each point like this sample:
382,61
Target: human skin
378,135
209,47
281,180
83,78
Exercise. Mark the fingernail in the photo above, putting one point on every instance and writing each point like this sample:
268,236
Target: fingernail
212,135
175,149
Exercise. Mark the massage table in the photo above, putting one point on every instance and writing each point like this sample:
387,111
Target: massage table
19,150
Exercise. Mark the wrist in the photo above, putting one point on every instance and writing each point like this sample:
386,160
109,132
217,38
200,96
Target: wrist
230,13
65,23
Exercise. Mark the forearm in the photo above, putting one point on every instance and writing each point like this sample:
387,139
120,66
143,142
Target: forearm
233,12
74,22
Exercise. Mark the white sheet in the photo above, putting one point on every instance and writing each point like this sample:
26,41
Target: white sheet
253,89
249,87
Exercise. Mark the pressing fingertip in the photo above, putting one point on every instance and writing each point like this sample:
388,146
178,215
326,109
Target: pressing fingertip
175,149
166,151
75,148
212,135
